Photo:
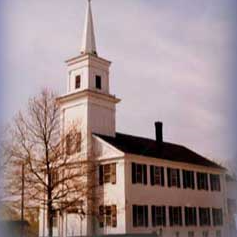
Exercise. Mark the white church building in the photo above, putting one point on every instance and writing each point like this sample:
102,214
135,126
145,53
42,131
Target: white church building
150,187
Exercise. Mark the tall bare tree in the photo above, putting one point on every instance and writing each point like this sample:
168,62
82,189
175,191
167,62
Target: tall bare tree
56,170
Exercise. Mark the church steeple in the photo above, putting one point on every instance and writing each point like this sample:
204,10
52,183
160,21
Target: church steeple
88,40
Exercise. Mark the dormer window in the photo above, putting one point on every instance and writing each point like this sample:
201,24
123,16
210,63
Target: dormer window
78,82
98,82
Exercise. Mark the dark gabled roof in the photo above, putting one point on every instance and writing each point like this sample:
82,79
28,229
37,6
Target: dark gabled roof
148,147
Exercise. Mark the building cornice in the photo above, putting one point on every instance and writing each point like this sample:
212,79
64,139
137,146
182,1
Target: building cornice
84,57
87,93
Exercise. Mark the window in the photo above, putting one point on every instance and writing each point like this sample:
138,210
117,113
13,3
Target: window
177,234
55,218
54,177
158,215
188,179
72,210
157,175
217,216
218,233
78,82
190,216
215,182
205,233
98,82
76,208
202,181
140,216
73,143
107,173
108,216
175,216
173,177
139,173
204,216
191,234
232,207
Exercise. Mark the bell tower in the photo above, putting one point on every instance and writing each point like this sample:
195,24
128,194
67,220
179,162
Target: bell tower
88,99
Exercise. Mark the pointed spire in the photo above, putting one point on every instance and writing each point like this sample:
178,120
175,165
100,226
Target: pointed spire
88,39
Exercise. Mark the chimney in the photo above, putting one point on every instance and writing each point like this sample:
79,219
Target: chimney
159,133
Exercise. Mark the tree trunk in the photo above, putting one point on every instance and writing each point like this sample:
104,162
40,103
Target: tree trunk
50,218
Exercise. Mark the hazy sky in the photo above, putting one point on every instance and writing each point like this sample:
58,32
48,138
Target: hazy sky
171,62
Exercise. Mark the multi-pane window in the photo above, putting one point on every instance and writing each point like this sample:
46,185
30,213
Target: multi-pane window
202,181
98,82
173,177
215,182
158,215
231,205
204,216
177,234
73,143
139,173
175,216
78,82
140,216
205,233
72,210
188,179
54,177
191,234
157,175
108,216
107,173
55,218
190,216
218,233
217,216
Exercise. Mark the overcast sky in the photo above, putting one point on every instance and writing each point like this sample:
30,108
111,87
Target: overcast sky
171,62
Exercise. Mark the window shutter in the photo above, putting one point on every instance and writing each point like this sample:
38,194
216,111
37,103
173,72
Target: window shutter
162,177
198,180
221,216
171,215
200,215
133,173
164,215
195,216
213,217
193,183
101,216
144,174
180,216
101,175
114,215
207,182
113,173
211,180
153,214
78,142
184,179
146,215
178,175
134,215
152,175
209,217
168,175
219,183
68,144
186,216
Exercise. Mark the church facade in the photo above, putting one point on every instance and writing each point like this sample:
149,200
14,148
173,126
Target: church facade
146,186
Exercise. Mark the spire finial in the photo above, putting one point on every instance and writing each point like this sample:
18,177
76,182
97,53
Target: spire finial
88,39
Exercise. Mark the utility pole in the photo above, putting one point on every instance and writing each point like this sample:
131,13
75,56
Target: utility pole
22,198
